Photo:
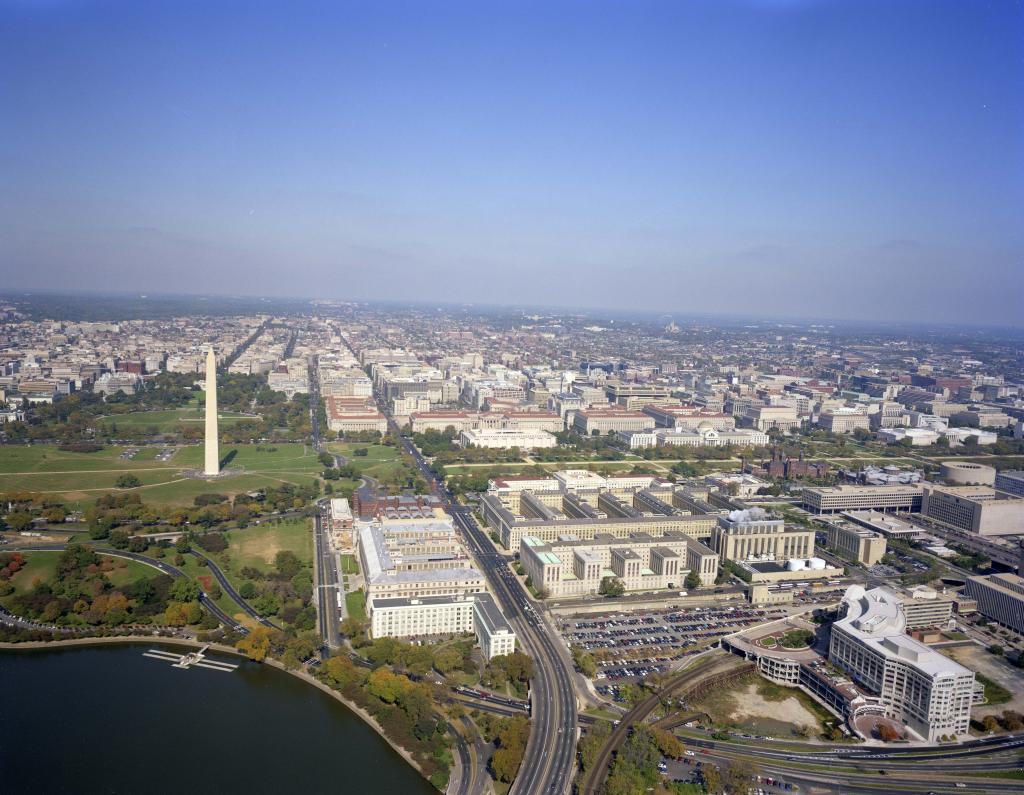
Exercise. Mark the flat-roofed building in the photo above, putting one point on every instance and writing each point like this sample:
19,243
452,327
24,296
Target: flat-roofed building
884,523
844,420
610,420
571,566
1010,481
856,542
764,418
398,560
635,395
354,415
703,436
341,524
928,692
506,439
689,417
999,597
925,607
974,509
493,632
753,535
432,616
835,499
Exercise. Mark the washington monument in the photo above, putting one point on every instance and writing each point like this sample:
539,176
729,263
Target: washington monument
212,448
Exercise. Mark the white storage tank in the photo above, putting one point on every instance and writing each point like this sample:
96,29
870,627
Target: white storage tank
817,564
796,564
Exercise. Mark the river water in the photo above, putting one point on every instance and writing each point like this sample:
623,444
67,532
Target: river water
105,719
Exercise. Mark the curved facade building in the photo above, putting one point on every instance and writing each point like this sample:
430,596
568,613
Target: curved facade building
915,685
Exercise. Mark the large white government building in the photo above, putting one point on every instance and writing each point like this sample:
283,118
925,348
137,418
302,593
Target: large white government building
428,616
1000,597
584,504
571,566
928,692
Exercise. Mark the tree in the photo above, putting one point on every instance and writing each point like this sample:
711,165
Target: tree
185,589
383,651
611,586
19,520
447,659
416,659
386,685
287,563
739,775
591,743
341,671
505,762
584,661
712,778
128,482
255,645
693,581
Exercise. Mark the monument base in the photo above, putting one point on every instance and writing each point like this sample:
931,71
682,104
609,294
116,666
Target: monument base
200,474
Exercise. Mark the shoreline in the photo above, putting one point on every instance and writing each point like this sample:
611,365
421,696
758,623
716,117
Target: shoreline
366,717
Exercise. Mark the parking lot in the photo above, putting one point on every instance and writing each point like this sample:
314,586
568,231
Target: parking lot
629,646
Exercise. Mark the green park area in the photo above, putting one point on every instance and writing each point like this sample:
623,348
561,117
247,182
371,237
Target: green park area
169,421
41,567
80,478
381,462
257,547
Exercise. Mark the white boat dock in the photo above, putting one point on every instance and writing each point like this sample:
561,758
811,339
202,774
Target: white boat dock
195,658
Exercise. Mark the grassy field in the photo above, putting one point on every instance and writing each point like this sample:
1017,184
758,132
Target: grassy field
349,564
79,478
202,575
381,461
38,566
127,571
258,545
43,566
355,604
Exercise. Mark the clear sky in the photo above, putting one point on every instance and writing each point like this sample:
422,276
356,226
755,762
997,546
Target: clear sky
851,159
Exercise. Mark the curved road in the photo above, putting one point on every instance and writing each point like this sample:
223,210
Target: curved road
229,589
164,568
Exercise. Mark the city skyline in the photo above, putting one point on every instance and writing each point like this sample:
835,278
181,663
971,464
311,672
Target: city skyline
751,158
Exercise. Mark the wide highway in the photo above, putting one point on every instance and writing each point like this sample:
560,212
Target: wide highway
550,759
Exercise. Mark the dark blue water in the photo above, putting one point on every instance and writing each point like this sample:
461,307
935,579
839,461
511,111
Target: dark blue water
108,720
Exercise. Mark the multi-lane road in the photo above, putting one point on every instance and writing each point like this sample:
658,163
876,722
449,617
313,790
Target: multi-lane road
550,759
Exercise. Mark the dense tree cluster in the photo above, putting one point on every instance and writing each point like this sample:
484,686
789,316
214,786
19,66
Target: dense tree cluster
285,592
404,709
513,669
82,595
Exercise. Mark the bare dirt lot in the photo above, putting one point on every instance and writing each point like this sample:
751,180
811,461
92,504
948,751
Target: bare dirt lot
995,668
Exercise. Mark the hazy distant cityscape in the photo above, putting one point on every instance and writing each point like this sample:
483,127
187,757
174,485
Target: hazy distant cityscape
704,536
561,398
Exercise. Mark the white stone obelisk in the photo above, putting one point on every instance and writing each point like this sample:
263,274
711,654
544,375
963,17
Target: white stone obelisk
212,446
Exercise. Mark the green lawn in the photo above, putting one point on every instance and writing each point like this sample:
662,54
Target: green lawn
38,566
355,604
349,564
168,420
995,693
202,575
43,566
128,571
79,478
257,546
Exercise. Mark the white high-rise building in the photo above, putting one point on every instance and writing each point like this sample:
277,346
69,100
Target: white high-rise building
915,685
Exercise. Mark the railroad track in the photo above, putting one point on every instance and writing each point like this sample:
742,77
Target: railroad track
723,667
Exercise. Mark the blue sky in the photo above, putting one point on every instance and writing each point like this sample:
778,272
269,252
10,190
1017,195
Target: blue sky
826,159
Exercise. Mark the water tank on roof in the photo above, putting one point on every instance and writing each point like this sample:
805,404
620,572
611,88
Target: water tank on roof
796,564
816,564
